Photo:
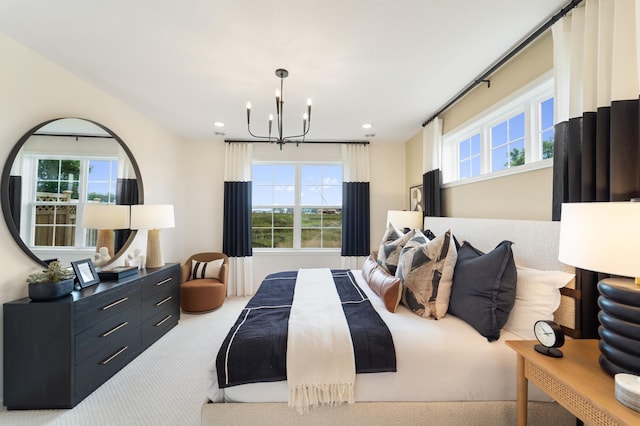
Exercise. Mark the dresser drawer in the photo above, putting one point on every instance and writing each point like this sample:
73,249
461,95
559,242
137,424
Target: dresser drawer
160,281
105,333
99,367
92,310
167,299
158,325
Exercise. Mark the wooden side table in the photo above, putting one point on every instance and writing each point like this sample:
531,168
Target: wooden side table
576,381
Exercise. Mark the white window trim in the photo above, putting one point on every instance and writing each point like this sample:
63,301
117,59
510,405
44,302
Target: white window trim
297,209
525,100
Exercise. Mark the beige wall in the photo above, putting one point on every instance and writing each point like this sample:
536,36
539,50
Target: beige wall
526,195
414,166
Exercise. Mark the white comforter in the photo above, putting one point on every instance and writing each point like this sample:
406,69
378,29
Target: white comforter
443,360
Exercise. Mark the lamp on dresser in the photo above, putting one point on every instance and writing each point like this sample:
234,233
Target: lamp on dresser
605,237
105,218
404,219
153,218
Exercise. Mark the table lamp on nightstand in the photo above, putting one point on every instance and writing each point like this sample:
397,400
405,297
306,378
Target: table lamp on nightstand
153,218
403,219
605,237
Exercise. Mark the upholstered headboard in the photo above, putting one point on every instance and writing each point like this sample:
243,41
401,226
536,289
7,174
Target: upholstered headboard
535,246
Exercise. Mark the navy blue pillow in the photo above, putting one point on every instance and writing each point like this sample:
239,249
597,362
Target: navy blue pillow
484,288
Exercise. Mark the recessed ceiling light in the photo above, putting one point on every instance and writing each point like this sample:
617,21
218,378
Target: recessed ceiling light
367,125
218,124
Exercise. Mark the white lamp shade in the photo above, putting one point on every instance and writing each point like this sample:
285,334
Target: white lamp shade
405,219
601,237
105,216
152,216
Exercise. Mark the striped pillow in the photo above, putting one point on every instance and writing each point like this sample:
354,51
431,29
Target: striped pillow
200,270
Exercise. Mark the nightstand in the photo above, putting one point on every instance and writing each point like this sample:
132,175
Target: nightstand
576,381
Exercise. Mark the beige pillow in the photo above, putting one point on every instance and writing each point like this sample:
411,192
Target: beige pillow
426,270
200,270
386,286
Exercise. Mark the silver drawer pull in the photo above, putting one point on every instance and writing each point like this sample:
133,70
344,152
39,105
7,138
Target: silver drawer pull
164,300
108,360
163,282
116,328
117,302
163,321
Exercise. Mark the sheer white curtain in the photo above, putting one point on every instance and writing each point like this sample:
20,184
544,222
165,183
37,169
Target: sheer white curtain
237,218
432,145
356,243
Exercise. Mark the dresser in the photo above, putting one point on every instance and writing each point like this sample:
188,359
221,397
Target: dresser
57,352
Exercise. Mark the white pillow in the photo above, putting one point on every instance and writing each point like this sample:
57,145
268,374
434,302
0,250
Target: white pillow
201,270
537,298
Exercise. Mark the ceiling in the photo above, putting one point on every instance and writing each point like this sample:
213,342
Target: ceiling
188,64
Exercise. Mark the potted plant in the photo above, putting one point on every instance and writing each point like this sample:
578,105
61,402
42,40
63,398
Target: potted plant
53,282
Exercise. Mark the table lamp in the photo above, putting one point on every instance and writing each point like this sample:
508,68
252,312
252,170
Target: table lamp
605,237
153,218
105,218
405,220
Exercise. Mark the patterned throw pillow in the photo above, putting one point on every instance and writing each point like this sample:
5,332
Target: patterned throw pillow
426,270
200,270
389,252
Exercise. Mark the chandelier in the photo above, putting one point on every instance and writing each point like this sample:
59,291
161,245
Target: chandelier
278,137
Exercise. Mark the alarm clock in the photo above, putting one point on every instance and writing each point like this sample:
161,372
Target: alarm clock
550,336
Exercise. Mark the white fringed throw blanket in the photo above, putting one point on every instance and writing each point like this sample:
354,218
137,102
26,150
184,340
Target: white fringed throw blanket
320,360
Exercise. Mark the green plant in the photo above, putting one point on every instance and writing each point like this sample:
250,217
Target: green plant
53,274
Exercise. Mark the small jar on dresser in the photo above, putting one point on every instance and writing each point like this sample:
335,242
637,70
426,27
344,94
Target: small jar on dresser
56,352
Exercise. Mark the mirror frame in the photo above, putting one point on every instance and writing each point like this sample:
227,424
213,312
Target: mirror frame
6,172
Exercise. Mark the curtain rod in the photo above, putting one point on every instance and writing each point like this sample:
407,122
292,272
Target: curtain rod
347,142
483,78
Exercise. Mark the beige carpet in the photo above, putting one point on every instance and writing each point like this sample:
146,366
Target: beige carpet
165,385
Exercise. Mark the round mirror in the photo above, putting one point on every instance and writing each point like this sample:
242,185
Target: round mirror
56,177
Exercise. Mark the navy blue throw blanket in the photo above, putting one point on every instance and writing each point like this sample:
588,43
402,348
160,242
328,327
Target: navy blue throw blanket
255,350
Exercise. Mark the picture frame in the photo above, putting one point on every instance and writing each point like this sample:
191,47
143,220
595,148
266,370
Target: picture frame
416,198
85,272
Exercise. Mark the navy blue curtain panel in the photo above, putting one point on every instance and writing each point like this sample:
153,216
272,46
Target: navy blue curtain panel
355,219
15,194
236,229
431,192
127,194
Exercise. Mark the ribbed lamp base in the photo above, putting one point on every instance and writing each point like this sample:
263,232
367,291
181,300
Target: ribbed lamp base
619,329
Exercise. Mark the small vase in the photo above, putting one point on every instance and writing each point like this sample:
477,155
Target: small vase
46,291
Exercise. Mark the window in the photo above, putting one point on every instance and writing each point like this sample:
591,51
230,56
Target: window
297,205
546,127
516,132
507,143
470,157
61,187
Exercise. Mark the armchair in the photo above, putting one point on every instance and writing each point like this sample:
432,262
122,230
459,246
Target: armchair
203,294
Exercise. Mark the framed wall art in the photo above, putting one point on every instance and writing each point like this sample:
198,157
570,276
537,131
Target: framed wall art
416,199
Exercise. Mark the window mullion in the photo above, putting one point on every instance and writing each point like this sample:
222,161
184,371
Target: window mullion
297,211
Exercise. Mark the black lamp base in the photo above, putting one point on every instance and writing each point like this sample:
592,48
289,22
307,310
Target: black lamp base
619,329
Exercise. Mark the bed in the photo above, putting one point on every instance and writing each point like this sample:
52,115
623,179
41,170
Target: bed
470,381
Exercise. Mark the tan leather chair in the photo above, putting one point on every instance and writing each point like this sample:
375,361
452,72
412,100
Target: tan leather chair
205,294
